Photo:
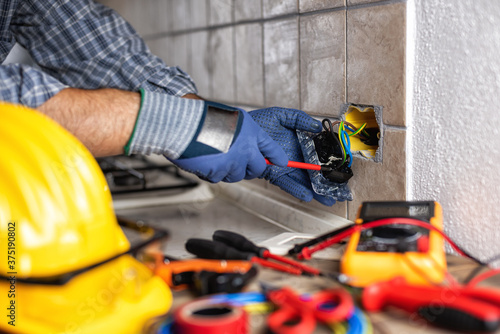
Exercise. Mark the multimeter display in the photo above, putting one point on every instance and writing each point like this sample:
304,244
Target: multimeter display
377,210
395,238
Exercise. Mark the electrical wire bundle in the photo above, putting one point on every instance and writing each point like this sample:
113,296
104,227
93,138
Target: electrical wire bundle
342,137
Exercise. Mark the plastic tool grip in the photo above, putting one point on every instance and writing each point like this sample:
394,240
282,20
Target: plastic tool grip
208,249
238,241
303,165
456,308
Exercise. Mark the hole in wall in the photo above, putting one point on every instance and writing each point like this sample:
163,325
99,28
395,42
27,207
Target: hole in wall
368,143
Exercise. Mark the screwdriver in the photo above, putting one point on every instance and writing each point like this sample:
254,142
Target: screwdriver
305,165
209,249
240,242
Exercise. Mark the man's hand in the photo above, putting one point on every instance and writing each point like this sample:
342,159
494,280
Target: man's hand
280,124
229,146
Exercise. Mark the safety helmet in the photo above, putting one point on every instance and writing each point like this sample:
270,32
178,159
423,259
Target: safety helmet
56,216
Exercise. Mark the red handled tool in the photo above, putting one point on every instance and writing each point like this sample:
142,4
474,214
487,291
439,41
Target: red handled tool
243,244
460,308
209,249
304,165
233,246
299,315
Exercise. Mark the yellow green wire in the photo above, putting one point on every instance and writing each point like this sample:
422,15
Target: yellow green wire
358,130
341,128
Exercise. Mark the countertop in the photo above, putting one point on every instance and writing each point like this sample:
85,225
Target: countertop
201,219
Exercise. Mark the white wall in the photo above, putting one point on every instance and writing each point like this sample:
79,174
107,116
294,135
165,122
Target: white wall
454,120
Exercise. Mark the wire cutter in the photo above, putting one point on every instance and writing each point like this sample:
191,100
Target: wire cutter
233,246
459,308
300,314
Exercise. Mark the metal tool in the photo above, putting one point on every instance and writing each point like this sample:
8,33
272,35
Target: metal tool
233,246
210,249
299,314
243,244
305,165
459,308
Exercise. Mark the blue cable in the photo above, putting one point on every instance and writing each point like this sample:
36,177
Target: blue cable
358,324
347,145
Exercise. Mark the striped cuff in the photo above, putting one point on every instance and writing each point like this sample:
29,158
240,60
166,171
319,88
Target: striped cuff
165,125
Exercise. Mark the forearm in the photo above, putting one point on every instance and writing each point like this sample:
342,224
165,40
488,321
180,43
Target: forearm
102,119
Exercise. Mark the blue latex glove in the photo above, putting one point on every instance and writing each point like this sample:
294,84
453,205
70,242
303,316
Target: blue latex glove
280,124
244,159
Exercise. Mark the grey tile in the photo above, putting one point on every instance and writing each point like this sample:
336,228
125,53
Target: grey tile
180,14
220,11
172,50
199,13
147,17
221,65
247,10
278,7
200,62
322,63
381,181
249,64
310,5
281,63
376,59
359,2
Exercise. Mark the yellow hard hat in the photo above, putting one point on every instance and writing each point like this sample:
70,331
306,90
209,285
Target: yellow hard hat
56,216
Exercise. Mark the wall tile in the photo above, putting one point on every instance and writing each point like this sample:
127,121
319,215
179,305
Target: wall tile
376,59
200,62
359,2
199,13
322,63
278,7
381,181
249,64
220,11
310,5
180,14
247,10
173,50
281,63
132,11
222,61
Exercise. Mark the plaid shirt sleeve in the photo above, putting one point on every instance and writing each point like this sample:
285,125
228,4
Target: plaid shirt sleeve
83,44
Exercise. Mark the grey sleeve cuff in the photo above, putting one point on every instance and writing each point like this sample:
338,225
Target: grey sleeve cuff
165,125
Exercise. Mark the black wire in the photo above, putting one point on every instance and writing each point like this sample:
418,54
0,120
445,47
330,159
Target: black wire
330,129
296,249
477,270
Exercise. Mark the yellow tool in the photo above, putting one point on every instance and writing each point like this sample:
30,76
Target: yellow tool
395,248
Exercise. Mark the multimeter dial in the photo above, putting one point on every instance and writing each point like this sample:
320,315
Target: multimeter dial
394,238
397,238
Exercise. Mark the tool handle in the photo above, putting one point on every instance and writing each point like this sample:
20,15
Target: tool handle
208,249
448,307
238,241
301,165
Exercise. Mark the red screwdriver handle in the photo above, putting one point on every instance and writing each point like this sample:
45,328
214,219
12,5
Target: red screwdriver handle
301,165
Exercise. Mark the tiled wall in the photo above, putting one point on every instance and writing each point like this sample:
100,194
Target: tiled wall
307,54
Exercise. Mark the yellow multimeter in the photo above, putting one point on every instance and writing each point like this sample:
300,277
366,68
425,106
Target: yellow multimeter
395,249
